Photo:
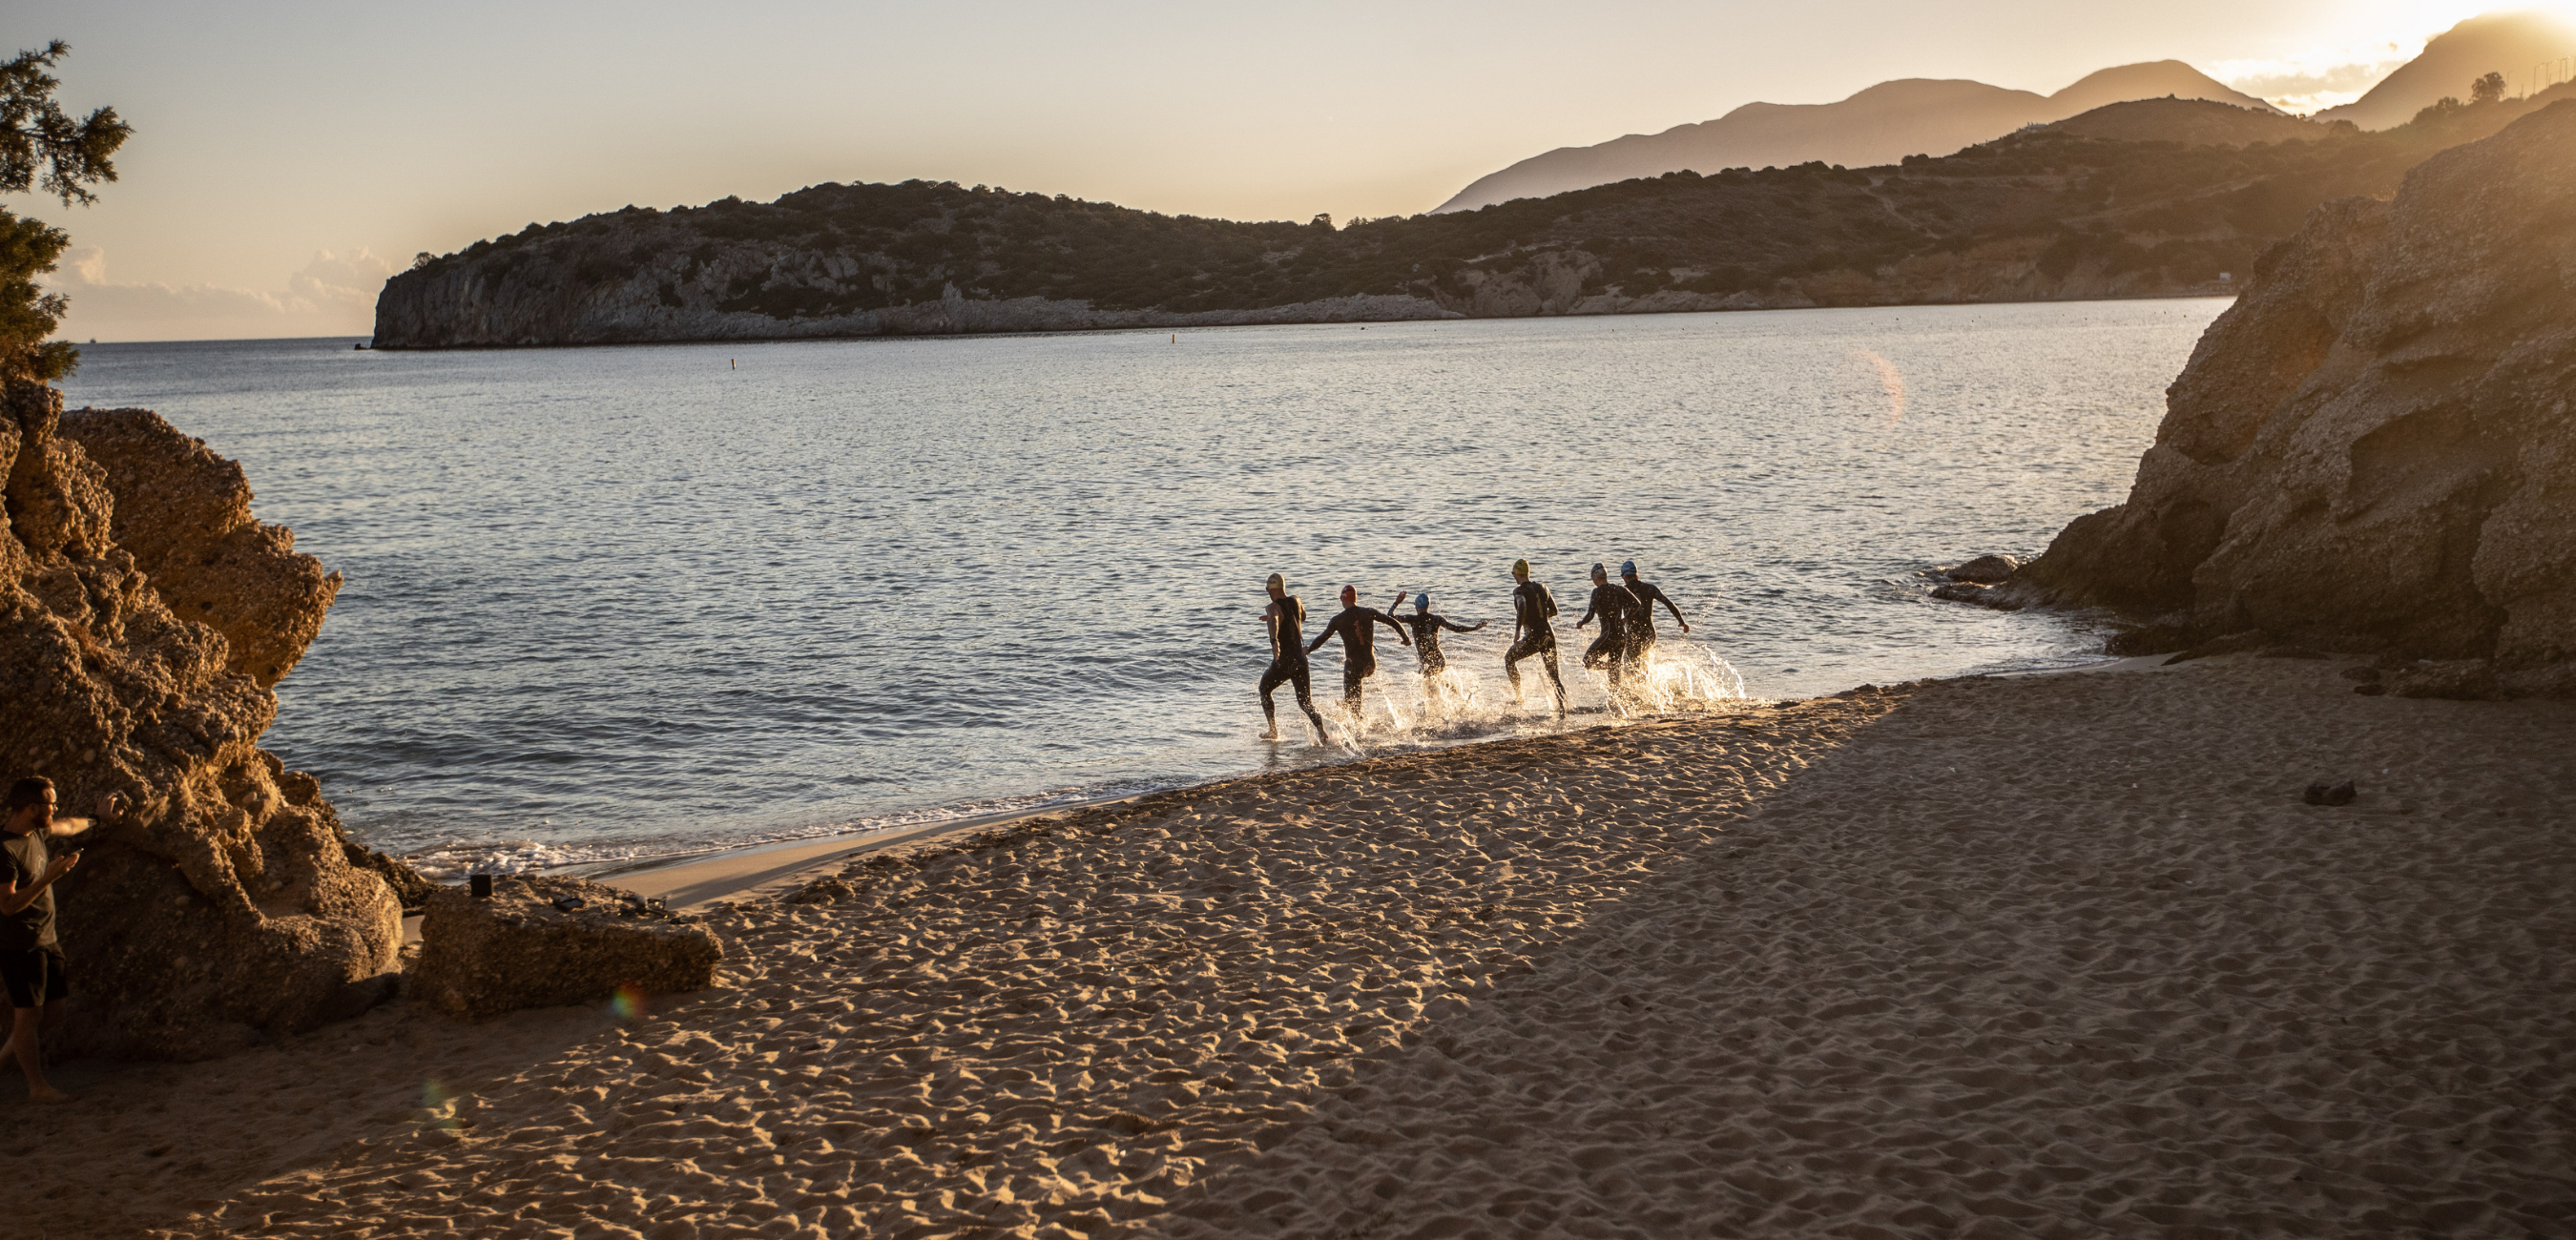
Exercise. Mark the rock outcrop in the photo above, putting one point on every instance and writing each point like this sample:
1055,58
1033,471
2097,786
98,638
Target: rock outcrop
541,941
225,907
2376,446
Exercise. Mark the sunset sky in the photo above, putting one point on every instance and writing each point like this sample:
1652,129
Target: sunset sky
288,156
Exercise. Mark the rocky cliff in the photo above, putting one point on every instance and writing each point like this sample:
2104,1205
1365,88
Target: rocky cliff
147,616
2376,445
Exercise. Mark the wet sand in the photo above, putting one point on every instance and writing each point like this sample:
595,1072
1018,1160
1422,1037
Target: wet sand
2049,956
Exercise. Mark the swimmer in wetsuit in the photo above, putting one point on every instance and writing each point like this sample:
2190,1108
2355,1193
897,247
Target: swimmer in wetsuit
1358,628
1287,620
1615,607
1532,606
1641,626
1426,640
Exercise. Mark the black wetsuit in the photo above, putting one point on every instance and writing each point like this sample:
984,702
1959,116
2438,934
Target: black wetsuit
1357,627
1425,628
1287,619
1615,608
1531,608
1641,627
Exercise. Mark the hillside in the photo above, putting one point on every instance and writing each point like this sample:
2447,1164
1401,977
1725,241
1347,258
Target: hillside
1880,125
2507,43
2192,122
2042,214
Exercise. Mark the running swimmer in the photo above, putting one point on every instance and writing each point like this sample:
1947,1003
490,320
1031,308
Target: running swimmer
1641,626
1613,605
1357,626
1532,606
1425,628
1287,620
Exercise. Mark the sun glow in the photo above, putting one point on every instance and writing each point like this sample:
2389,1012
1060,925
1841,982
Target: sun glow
2329,74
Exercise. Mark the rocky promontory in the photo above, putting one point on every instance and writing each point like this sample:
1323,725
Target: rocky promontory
2375,447
148,617
2165,199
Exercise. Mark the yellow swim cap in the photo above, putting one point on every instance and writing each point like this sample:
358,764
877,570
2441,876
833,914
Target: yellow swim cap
1277,582
1520,568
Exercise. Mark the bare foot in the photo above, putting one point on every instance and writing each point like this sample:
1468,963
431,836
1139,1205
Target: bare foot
46,1094
1271,735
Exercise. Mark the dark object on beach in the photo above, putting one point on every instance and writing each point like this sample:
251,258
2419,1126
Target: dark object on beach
1985,570
2315,795
2373,689
524,948
480,884
2152,639
2339,794
2362,672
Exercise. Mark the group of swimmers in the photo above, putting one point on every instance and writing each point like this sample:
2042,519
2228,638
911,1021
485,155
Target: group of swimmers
1626,613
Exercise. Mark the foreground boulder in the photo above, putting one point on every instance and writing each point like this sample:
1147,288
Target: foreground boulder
540,941
2376,446
225,908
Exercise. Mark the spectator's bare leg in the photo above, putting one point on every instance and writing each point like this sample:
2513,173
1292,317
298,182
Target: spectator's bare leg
24,1043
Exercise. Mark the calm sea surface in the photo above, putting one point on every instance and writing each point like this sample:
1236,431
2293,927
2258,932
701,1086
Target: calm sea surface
617,602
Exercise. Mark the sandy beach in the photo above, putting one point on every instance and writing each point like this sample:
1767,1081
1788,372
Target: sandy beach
2045,956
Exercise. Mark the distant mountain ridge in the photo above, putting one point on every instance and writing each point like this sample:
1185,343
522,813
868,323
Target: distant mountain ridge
1880,125
2508,43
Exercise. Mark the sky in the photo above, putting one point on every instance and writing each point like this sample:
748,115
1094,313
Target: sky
287,157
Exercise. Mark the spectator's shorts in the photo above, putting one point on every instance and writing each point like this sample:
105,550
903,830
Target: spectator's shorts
34,976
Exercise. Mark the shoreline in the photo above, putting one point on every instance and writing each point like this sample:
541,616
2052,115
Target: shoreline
2066,951
754,871
1157,329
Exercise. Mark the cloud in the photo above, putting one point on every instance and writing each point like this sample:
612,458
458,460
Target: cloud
334,295
2318,78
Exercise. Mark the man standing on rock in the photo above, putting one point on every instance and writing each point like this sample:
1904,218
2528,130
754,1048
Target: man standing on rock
31,960
1532,607
1358,628
1286,617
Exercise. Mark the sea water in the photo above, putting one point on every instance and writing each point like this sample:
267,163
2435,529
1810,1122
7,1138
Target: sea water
618,602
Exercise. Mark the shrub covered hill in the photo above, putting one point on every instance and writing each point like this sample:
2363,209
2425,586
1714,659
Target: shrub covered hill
2045,213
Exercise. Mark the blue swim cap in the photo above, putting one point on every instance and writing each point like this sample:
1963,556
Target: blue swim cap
1627,568
1422,601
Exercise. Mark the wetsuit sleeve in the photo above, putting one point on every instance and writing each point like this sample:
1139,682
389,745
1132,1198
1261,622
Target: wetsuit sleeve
1547,600
1587,612
1453,626
1401,633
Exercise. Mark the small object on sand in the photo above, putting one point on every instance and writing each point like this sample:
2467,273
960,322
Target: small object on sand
2341,794
566,904
2373,689
2315,795
480,885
